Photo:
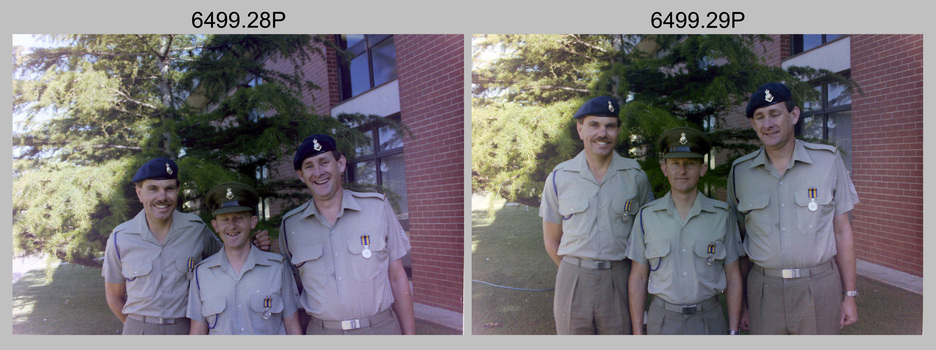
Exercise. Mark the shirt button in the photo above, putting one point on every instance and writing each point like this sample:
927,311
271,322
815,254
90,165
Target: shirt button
339,278
781,204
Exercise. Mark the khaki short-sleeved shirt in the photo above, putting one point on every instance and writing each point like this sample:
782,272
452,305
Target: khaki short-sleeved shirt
232,303
341,278
678,251
157,275
782,230
596,217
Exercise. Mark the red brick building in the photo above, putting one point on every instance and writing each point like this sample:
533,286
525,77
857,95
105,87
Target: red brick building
880,131
417,80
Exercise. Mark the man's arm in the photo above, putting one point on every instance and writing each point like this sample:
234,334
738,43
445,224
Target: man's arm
402,298
293,327
552,235
637,295
733,294
199,328
845,259
262,240
116,294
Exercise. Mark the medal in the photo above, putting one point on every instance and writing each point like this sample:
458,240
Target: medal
191,268
267,303
711,252
627,210
365,241
813,193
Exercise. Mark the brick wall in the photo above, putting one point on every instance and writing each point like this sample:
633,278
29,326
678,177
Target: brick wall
887,141
431,70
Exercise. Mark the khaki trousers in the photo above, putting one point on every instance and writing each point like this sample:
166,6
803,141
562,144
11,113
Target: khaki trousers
591,301
804,305
711,320
133,326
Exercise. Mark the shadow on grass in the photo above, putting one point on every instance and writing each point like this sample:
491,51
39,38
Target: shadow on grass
507,250
71,303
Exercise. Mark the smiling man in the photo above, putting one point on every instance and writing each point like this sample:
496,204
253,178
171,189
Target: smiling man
685,249
588,206
149,260
241,289
346,248
792,199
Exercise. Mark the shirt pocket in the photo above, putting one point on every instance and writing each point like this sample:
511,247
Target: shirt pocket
311,253
260,304
809,221
752,209
715,250
656,252
211,309
624,209
568,208
369,266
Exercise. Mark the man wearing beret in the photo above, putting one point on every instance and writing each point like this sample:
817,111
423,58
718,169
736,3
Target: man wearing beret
685,249
346,248
241,289
149,260
792,199
588,207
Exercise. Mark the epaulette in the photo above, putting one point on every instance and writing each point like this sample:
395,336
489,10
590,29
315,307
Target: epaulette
746,157
377,195
272,256
296,210
631,164
719,204
819,146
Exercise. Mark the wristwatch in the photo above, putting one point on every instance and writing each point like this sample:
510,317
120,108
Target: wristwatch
733,332
852,293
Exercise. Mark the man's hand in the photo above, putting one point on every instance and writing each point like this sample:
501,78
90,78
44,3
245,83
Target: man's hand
262,240
745,318
849,312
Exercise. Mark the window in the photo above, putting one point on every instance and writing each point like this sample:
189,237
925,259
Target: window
263,207
805,42
373,64
380,163
829,119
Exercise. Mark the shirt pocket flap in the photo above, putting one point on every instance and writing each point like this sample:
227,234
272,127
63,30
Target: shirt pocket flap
212,306
753,202
313,252
628,207
657,249
575,206
823,197
715,249
261,303
356,245
136,269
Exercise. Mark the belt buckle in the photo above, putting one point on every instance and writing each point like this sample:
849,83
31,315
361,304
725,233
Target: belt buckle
790,273
603,265
350,324
689,309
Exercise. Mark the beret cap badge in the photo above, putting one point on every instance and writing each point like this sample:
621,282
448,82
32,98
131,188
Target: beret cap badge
610,107
316,145
767,96
168,169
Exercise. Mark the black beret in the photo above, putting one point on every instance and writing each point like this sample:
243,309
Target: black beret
766,95
601,106
232,197
313,146
684,143
157,169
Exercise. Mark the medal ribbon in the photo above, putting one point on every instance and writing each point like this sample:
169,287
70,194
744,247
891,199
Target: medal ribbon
365,240
813,193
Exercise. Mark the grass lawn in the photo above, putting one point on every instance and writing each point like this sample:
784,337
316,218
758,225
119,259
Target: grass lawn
507,250
73,303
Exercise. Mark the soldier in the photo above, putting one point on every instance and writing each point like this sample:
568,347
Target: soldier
588,206
241,289
346,248
792,199
685,249
149,260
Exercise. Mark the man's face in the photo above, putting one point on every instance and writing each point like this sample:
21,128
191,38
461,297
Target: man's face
683,173
774,125
599,134
159,198
322,174
234,228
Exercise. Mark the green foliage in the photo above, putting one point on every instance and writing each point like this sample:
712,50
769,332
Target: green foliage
526,88
90,109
